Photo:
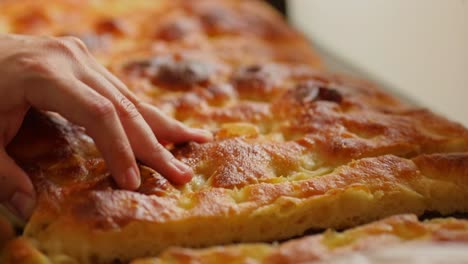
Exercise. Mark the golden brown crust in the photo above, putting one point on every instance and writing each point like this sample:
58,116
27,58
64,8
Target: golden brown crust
387,235
110,28
401,229
289,139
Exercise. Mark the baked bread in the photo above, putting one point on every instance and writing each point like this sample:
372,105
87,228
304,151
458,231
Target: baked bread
246,31
295,148
397,239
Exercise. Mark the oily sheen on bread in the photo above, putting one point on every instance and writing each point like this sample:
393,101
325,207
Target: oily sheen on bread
295,148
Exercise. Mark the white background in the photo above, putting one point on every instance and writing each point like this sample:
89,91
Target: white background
417,46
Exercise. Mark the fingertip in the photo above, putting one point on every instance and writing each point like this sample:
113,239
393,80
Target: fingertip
184,175
132,179
16,190
182,179
202,135
22,204
28,187
6,230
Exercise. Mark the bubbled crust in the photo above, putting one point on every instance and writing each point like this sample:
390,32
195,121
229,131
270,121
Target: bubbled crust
395,230
290,140
238,31
86,209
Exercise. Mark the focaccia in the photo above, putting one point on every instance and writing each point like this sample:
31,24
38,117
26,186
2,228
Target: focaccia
295,148
397,239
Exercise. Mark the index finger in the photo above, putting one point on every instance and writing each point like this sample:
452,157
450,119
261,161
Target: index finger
82,105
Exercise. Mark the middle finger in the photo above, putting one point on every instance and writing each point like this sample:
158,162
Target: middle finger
142,139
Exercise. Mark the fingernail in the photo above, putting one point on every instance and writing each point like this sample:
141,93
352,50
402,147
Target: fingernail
23,204
132,178
183,168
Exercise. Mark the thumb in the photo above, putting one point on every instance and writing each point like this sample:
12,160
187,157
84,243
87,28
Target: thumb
16,190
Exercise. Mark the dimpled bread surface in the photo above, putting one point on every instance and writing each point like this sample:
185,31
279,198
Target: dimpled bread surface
295,148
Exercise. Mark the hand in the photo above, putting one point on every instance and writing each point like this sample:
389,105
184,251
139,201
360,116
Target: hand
60,75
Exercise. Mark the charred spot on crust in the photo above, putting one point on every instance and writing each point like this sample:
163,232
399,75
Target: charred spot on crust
253,69
183,72
111,26
220,92
306,96
239,19
257,81
309,92
331,95
174,72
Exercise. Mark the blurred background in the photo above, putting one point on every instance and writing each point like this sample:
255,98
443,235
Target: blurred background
418,49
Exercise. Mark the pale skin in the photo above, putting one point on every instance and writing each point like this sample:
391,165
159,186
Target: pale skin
60,75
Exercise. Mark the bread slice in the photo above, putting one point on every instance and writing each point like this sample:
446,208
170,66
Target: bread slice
396,239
